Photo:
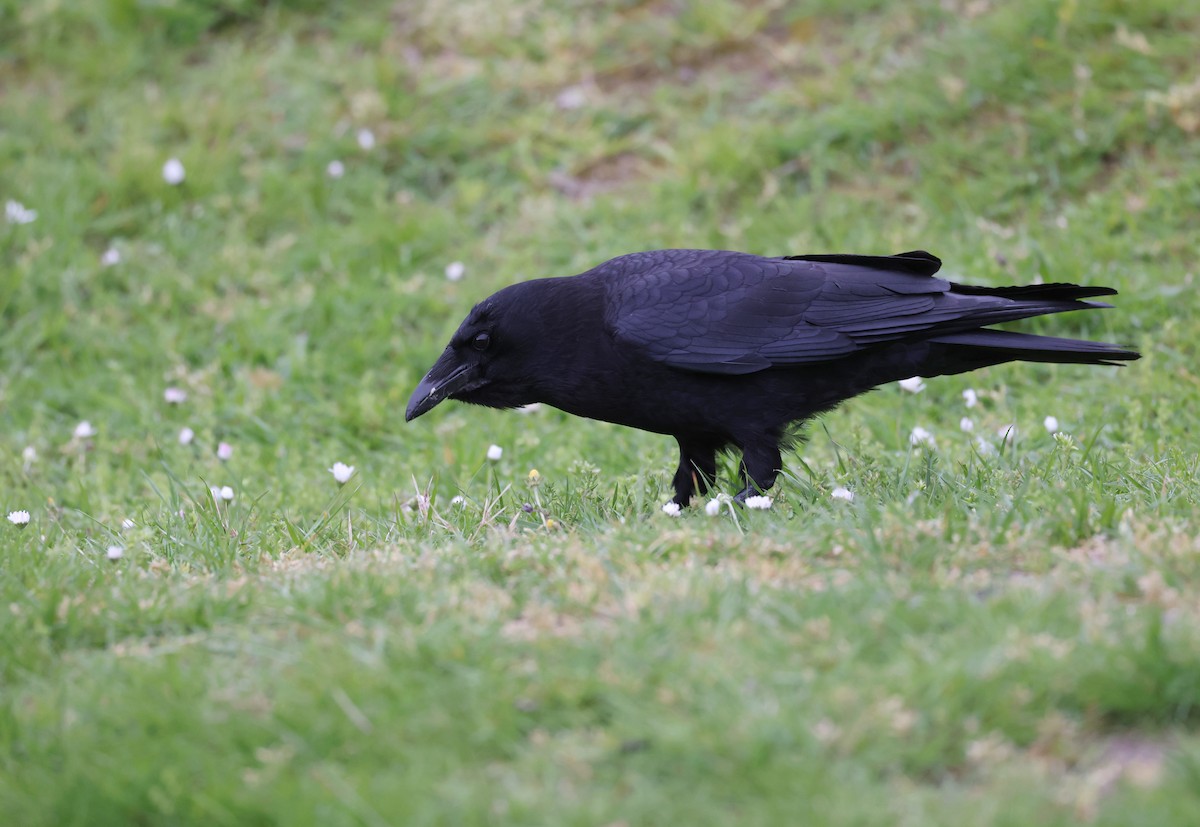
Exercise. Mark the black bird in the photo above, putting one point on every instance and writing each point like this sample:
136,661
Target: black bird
722,349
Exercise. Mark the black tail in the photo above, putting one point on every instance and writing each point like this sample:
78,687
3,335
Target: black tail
992,347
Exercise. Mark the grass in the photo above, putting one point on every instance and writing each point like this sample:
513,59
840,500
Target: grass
1005,634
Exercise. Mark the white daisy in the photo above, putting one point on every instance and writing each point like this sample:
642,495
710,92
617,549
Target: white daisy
342,472
16,213
920,436
173,172
19,518
841,493
914,385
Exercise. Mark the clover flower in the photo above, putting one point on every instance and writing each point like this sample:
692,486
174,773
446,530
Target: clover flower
671,509
966,425
335,169
111,257
841,493
1051,423
760,502
366,139
494,452
913,385
84,430
186,435
455,270
224,451
970,398
174,396
114,552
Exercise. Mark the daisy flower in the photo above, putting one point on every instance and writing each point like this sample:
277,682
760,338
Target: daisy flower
914,385
173,172
19,518
342,472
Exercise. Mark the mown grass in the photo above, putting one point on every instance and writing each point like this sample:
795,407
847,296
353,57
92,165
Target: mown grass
987,634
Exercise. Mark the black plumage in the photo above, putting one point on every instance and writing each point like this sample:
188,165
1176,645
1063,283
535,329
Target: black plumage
723,349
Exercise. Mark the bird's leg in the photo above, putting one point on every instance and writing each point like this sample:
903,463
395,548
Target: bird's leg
697,469
761,463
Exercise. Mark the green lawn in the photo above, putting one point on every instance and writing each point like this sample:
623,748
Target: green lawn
988,633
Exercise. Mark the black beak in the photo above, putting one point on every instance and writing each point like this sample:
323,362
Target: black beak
447,376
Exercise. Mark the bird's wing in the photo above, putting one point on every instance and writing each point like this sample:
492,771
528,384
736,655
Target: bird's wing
733,313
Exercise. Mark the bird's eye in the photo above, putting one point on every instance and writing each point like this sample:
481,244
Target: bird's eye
481,341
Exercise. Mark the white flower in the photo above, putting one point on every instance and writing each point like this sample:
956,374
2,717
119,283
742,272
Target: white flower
572,97
914,385
458,499
970,397
174,396
335,169
342,472
84,430
840,493
455,270
532,407
712,508
1007,434
16,213
224,451
759,502
127,524
920,436
671,509
173,172
186,435
19,518
111,256
114,553
29,454
966,425
226,493
366,139
1051,423
984,447
494,453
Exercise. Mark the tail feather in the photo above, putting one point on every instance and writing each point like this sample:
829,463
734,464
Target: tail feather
997,346
1056,292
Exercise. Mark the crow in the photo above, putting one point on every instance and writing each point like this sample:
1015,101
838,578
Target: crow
722,350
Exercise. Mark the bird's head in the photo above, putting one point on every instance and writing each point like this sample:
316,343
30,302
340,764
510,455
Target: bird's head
495,356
